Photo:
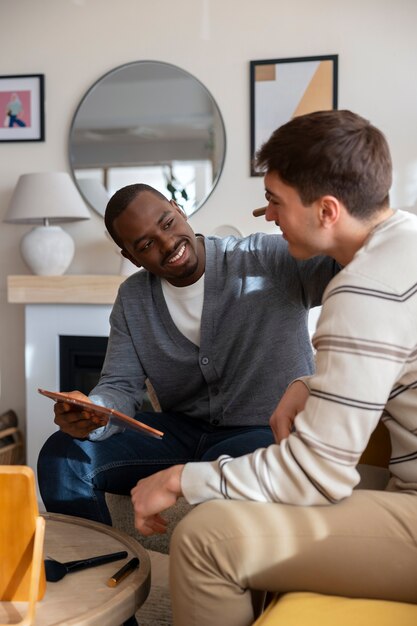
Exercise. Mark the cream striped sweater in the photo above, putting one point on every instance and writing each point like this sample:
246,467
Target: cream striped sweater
366,369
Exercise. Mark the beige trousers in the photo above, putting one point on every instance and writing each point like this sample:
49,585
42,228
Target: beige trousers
364,546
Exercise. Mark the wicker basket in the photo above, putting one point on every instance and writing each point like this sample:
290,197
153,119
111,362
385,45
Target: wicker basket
12,450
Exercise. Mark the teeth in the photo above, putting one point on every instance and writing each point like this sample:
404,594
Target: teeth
179,255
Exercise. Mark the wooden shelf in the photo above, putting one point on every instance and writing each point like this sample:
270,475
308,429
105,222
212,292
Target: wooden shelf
67,289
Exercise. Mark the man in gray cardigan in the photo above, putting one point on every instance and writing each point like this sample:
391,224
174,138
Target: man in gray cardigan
219,327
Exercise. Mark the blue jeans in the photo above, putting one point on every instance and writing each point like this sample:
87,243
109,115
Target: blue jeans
75,474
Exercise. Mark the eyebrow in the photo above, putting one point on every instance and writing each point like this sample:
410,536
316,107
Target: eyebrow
145,236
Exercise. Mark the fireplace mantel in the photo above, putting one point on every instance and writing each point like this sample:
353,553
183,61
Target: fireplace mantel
67,289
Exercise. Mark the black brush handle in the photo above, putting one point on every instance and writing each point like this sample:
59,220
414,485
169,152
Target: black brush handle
75,566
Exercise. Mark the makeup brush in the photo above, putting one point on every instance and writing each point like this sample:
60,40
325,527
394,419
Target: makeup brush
55,570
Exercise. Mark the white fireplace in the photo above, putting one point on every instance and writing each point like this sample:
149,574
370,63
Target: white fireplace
44,324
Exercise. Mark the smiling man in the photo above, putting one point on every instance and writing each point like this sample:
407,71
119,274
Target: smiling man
160,241
218,326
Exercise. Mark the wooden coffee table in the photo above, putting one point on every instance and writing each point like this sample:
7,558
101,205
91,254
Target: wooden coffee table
83,598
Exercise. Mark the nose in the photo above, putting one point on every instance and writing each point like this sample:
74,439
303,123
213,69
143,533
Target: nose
166,243
271,215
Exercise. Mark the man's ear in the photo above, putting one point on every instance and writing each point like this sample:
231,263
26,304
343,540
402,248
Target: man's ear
179,209
329,211
130,258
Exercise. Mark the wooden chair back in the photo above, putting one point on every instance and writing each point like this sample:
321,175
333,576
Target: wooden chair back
22,574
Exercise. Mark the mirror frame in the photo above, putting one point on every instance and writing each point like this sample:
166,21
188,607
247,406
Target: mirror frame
97,83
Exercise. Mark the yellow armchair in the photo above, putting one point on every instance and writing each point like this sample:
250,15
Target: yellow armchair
313,609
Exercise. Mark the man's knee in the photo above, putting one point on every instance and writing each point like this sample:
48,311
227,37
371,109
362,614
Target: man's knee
55,442
59,454
204,523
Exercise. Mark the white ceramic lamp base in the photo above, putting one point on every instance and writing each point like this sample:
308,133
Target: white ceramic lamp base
47,250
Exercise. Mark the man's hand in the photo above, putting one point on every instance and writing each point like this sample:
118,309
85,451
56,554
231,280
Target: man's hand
153,495
76,422
291,403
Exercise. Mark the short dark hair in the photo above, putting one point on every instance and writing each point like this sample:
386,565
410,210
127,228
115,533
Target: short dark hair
332,152
120,201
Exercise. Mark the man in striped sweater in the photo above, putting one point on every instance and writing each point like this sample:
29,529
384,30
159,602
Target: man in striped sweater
287,517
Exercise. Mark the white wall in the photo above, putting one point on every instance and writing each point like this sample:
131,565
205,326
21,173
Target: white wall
74,42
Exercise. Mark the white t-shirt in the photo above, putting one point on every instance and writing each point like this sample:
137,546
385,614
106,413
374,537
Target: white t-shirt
185,305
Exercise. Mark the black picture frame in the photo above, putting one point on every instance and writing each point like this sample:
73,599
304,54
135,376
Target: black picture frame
281,89
22,108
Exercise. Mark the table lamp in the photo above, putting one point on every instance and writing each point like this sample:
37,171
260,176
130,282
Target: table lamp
46,198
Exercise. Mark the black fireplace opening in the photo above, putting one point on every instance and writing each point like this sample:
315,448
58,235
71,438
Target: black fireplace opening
81,360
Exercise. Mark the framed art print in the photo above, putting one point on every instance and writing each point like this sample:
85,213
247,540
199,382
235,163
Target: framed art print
281,89
22,116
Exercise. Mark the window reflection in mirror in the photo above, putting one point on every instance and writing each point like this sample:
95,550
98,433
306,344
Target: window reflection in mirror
147,122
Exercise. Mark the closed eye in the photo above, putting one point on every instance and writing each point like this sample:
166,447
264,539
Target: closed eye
146,246
270,199
168,223
165,226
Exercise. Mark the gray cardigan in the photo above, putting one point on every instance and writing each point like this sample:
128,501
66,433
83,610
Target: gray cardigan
254,335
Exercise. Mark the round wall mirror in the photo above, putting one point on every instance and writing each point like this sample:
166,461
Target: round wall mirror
147,122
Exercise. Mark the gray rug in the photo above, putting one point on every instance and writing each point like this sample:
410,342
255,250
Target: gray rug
157,609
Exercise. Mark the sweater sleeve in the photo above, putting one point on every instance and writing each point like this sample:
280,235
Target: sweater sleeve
314,275
122,381
355,372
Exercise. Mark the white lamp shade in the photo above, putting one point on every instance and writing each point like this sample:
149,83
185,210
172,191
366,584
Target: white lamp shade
44,196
